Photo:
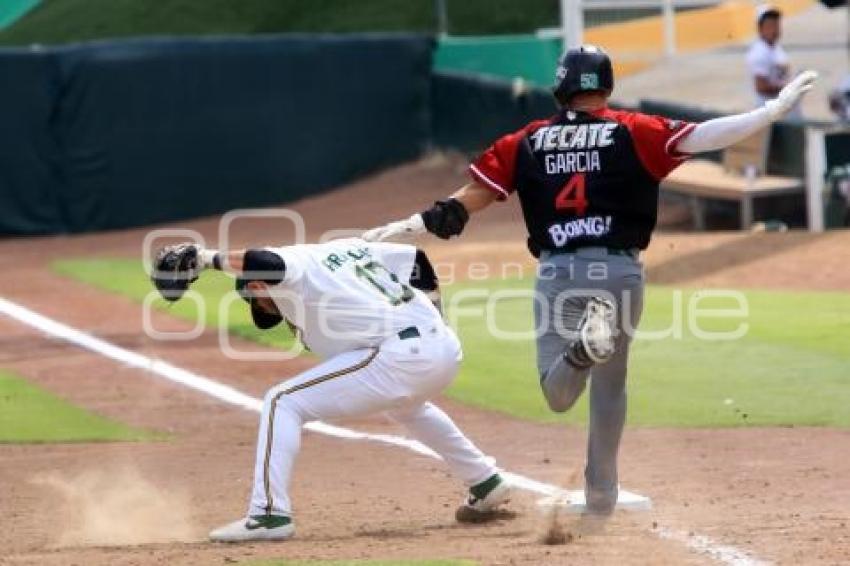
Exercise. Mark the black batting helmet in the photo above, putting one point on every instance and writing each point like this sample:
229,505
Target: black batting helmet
581,69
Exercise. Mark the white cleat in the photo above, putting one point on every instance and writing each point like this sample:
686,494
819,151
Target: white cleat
595,343
596,330
492,493
254,528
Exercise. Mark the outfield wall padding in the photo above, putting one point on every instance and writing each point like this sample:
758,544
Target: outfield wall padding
471,111
116,134
30,178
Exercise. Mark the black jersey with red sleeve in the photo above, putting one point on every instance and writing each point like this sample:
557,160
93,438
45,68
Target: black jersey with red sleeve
585,179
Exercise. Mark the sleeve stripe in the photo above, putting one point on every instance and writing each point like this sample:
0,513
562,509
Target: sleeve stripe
670,146
487,181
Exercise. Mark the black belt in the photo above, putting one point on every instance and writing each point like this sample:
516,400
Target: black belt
409,332
627,252
631,252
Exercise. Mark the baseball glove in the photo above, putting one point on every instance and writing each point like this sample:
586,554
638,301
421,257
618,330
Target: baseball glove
174,269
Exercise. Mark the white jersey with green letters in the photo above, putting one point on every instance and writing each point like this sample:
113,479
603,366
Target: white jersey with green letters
354,305
348,294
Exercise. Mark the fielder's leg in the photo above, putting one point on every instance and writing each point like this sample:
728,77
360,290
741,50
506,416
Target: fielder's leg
428,424
352,384
432,427
286,407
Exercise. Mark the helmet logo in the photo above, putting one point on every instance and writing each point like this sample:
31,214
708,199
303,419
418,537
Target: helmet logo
589,81
560,72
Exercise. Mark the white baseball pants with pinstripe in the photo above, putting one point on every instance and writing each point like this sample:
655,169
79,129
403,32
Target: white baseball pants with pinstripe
396,379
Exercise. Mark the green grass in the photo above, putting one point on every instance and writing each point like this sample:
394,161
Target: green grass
60,21
29,414
791,368
358,563
127,277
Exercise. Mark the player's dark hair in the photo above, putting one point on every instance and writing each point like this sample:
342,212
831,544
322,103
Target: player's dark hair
769,15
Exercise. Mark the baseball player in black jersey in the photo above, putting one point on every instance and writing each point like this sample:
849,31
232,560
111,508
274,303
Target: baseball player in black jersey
587,179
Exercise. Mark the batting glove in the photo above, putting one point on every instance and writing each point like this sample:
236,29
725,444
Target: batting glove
791,94
402,231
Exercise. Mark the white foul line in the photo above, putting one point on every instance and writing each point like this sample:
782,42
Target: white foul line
698,543
219,390
703,545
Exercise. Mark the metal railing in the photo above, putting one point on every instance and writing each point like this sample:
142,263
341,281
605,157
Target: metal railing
573,16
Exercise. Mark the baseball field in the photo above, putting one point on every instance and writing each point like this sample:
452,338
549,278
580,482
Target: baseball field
114,450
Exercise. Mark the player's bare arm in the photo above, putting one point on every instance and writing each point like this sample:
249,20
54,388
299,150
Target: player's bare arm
446,218
474,197
233,262
176,267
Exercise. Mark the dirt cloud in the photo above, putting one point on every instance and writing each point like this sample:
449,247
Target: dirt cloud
117,506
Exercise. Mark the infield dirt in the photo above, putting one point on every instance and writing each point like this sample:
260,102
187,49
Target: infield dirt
780,494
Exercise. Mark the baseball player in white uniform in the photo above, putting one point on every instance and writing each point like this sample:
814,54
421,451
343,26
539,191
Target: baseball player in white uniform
362,307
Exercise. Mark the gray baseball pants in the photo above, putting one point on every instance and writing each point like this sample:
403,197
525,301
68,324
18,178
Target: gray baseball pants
564,283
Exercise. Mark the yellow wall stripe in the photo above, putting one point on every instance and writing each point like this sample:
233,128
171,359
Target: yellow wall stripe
634,44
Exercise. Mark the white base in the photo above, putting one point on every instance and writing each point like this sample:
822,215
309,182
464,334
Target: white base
574,502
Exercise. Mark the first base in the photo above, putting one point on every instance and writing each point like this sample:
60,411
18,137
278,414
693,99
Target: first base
573,501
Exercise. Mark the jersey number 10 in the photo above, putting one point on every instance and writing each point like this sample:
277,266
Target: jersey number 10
385,282
571,196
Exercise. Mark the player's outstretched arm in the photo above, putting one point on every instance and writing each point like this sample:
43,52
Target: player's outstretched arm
729,130
231,262
176,267
445,219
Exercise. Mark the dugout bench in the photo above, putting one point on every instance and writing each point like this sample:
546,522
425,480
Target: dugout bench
739,177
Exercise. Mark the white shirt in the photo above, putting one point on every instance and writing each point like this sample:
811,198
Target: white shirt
767,61
349,294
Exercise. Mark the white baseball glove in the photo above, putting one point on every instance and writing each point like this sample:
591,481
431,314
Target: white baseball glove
401,231
791,94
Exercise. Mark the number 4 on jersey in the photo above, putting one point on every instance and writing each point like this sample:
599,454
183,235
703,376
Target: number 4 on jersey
571,196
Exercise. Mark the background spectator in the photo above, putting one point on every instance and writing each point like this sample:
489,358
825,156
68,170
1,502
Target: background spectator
768,63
